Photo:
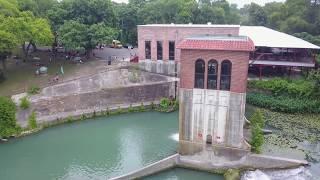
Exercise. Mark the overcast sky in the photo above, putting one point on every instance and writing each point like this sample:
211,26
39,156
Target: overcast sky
239,2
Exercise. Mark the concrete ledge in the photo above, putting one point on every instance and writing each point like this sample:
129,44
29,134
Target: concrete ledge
161,165
259,161
249,161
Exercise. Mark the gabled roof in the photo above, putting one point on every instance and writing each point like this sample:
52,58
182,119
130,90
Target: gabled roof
266,37
226,43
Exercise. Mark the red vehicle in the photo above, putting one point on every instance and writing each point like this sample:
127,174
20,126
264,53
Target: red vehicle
134,59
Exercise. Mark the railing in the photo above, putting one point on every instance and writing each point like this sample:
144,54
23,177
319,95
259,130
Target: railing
279,57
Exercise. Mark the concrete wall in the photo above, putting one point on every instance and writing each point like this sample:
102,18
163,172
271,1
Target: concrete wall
173,33
239,73
169,68
109,89
211,112
102,99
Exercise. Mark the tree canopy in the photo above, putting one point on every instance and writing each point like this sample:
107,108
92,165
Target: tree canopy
18,27
82,24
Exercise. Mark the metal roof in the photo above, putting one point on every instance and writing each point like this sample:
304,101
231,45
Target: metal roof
262,36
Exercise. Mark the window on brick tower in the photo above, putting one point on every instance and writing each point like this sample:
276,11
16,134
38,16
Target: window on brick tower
212,74
171,50
148,49
159,50
225,78
199,74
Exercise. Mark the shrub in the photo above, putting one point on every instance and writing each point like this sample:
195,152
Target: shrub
130,109
119,110
257,124
164,103
24,103
8,124
141,108
232,174
32,121
284,103
69,119
167,105
33,90
277,86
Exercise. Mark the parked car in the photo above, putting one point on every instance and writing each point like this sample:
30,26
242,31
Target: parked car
116,44
128,46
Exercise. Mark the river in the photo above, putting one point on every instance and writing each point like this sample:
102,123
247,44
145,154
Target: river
93,149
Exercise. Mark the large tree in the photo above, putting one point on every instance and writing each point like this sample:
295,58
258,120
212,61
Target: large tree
18,27
82,24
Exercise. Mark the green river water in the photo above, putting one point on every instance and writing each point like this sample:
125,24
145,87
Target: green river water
95,149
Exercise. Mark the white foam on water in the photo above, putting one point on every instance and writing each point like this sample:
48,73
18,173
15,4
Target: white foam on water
300,173
255,175
175,136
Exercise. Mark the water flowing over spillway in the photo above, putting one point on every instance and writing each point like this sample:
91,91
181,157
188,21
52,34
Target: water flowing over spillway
300,173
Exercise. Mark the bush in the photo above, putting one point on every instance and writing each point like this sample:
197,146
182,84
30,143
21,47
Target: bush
32,121
167,105
284,103
164,103
293,88
232,174
141,108
257,124
24,103
130,109
33,90
8,124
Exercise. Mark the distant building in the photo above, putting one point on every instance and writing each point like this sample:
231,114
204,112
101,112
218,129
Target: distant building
157,45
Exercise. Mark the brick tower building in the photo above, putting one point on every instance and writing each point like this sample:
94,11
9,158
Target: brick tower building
213,81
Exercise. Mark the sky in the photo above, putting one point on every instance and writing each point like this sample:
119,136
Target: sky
240,3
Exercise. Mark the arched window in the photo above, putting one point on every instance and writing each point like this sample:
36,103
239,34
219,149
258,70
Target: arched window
199,74
225,78
212,74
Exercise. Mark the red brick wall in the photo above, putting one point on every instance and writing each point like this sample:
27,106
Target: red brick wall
177,34
239,70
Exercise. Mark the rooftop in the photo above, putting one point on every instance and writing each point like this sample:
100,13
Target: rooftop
262,36
192,25
225,43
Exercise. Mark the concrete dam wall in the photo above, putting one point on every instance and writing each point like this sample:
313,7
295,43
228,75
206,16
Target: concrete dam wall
110,89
